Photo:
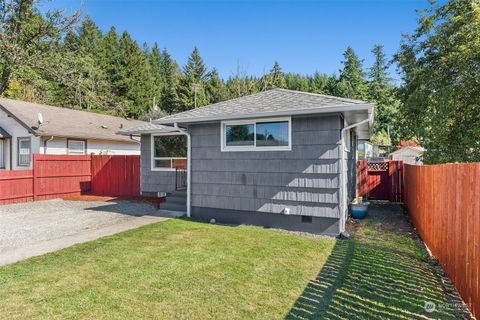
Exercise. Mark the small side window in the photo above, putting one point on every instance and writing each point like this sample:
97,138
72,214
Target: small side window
76,147
24,152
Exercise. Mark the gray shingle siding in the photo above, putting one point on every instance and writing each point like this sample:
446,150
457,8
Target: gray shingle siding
153,181
304,179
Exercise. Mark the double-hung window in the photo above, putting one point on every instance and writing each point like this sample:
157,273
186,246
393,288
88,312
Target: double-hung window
76,147
24,152
257,135
169,152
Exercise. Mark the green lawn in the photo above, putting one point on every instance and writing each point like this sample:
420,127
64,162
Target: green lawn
188,270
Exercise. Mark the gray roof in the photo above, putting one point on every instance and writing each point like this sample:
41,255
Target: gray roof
268,103
146,128
4,134
65,122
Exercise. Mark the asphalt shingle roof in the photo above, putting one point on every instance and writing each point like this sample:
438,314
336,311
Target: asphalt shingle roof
65,122
268,102
147,128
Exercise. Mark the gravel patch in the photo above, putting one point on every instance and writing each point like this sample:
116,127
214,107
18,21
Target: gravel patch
30,223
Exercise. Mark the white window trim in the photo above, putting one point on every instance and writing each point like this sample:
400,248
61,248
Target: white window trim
225,148
19,139
152,152
75,153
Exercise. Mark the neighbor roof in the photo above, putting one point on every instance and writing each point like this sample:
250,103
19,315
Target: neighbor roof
4,134
274,102
65,122
147,128
417,149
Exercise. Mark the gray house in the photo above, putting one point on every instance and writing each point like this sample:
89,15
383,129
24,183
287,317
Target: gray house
279,158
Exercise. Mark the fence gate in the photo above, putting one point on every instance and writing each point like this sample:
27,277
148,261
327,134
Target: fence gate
380,180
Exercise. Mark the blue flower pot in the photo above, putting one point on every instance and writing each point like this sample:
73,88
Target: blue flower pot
359,211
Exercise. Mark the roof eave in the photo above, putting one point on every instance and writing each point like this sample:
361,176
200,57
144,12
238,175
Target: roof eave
23,124
318,110
150,131
67,136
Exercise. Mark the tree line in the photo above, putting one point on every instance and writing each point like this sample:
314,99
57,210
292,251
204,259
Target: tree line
76,65
68,61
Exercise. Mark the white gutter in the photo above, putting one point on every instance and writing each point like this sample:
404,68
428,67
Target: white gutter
189,166
343,167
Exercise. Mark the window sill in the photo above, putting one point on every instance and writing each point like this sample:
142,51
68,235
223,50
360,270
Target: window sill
257,149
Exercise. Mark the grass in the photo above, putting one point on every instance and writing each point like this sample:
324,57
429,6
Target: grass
173,269
382,272
187,270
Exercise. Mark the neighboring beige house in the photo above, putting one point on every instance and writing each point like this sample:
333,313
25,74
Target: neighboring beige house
410,155
28,128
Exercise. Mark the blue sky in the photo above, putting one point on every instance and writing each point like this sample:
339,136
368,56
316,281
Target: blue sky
303,36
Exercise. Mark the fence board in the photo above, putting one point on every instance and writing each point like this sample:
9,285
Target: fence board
116,175
442,201
57,176
16,186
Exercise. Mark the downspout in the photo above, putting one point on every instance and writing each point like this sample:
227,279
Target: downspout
343,166
189,167
45,142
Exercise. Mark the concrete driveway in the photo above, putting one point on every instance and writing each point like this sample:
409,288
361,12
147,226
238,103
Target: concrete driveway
35,228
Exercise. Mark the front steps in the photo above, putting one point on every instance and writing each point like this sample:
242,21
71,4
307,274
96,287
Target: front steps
175,201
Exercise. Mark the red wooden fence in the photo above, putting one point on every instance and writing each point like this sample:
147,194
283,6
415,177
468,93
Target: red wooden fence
443,203
380,180
57,176
116,175
16,186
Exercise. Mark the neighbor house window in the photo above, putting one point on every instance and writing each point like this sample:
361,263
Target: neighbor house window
24,152
257,135
2,154
76,147
169,152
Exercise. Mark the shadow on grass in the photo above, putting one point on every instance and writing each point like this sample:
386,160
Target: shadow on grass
364,280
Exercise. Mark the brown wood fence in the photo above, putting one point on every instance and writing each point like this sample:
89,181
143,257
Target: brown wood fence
443,202
58,176
380,180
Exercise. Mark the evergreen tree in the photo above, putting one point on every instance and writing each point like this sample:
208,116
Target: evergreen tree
90,38
216,89
194,79
382,94
134,84
155,61
319,83
110,62
297,82
170,74
352,83
274,79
